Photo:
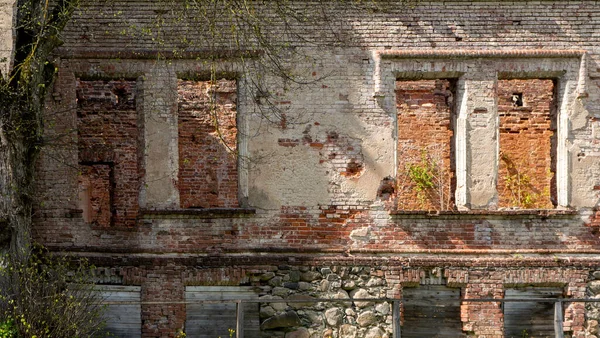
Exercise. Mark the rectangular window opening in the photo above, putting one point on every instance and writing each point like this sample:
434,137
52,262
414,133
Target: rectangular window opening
527,164
207,130
425,178
431,311
122,320
530,319
107,131
209,320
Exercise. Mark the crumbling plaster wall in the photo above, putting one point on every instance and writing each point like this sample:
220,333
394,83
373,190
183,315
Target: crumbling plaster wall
316,175
317,164
327,126
304,164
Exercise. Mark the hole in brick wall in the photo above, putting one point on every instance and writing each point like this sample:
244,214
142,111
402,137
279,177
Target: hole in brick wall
527,144
207,129
386,189
517,99
107,130
425,172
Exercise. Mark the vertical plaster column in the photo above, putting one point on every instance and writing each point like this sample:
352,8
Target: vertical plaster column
573,165
7,42
158,116
477,139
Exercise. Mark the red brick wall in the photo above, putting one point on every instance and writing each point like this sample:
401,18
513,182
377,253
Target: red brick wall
526,170
424,143
487,318
356,233
107,132
207,144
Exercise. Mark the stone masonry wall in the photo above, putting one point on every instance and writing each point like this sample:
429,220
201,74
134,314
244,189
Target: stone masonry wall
306,300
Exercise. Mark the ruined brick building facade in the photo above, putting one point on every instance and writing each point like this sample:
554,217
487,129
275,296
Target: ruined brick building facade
445,150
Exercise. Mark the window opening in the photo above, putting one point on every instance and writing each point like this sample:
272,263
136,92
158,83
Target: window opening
432,309
530,319
122,320
209,320
207,129
425,172
527,144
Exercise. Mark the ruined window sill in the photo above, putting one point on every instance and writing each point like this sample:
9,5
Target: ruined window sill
512,214
197,213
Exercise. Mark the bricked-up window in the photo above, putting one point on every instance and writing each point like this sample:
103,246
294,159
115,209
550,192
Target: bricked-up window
425,174
527,142
108,151
208,174
95,193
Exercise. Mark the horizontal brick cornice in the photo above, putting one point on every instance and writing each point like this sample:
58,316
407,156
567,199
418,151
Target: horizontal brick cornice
469,53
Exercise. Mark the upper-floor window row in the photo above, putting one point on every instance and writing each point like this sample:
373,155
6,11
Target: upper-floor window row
112,149
523,134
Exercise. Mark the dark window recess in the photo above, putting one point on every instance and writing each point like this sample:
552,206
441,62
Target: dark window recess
432,311
517,99
530,319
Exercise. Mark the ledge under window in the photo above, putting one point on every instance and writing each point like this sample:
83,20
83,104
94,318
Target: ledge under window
197,213
511,214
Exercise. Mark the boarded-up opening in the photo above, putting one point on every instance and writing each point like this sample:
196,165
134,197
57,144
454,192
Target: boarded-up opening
215,320
527,144
425,173
530,319
107,134
208,175
122,320
431,311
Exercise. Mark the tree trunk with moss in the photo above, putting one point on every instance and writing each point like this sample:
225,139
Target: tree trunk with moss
37,27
